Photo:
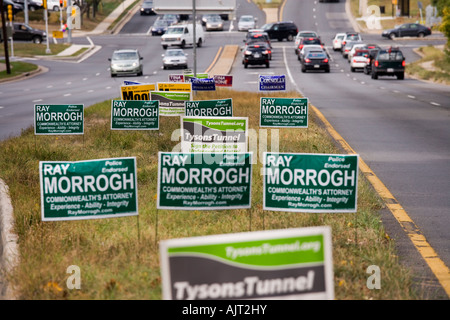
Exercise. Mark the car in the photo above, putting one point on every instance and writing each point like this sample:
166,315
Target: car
214,23
389,62
246,22
281,30
159,27
171,17
347,47
304,34
306,49
23,32
32,4
207,16
147,8
126,61
175,58
255,55
308,41
16,7
353,48
337,41
359,59
315,60
257,36
262,44
407,30
52,5
350,36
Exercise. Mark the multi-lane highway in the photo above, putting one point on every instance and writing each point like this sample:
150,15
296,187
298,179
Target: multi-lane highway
400,128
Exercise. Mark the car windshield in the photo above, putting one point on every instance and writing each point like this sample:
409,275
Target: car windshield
160,23
125,56
311,41
246,19
393,55
267,26
307,34
174,53
353,37
361,54
176,30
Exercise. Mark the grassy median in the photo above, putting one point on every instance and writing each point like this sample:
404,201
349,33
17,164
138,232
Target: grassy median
119,257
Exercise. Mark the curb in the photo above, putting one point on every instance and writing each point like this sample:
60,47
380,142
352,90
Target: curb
10,256
39,70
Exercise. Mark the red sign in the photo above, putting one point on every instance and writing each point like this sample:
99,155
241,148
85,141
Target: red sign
176,78
223,81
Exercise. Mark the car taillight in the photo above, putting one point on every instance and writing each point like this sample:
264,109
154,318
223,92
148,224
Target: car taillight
325,60
403,63
376,63
307,60
300,47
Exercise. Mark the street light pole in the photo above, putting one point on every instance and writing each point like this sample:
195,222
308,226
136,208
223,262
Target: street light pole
195,36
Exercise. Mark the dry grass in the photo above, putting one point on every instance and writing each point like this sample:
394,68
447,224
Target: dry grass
119,258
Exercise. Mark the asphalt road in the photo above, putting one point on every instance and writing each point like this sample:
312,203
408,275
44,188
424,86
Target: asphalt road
400,128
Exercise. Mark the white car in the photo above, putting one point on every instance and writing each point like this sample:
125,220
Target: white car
309,47
214,23
359,60
355,47
175,58
246,23
337,41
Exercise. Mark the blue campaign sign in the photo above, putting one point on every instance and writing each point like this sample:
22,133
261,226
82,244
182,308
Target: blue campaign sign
206,84
272,83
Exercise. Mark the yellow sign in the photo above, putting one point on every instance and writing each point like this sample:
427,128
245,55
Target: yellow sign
175,86
137,92
58,34
394,2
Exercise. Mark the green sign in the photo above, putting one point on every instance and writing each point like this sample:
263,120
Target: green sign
310,182
88,189
171,103
219,134
284,112
58,119
134,115
209,108
276,264
208,181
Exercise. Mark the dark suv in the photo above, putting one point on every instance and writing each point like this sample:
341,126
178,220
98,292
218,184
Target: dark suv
281,30
389,62
255,55
23,32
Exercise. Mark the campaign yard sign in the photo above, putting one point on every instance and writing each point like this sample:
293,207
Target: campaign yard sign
275,264
89,189
58,119
174,86
302,182
137,92
134,115
284,112
176,78
206,84
209,108
204,181
214,134
272,83
223,80
171,103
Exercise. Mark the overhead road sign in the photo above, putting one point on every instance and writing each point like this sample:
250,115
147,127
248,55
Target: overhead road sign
201,6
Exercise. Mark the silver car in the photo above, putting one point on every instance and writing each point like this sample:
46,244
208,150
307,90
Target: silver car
246,23
175,58
126,61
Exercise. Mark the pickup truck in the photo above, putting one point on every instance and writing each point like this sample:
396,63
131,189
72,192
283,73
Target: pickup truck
389,62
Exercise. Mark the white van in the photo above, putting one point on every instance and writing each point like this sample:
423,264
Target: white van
52,5
182,35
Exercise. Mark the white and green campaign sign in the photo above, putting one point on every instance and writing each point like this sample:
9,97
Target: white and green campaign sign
58,119
214,134
303,182
171,103
134,115
88,189
284,112
275,264
204,181
209,108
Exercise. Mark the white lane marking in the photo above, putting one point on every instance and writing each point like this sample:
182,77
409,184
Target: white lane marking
435,103
288,71
411,97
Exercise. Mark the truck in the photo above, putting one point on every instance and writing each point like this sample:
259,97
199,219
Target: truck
222,7
182,35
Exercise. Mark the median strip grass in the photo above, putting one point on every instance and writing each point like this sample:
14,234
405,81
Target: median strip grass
119,258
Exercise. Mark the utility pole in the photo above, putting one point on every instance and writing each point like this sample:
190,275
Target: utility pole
5,38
